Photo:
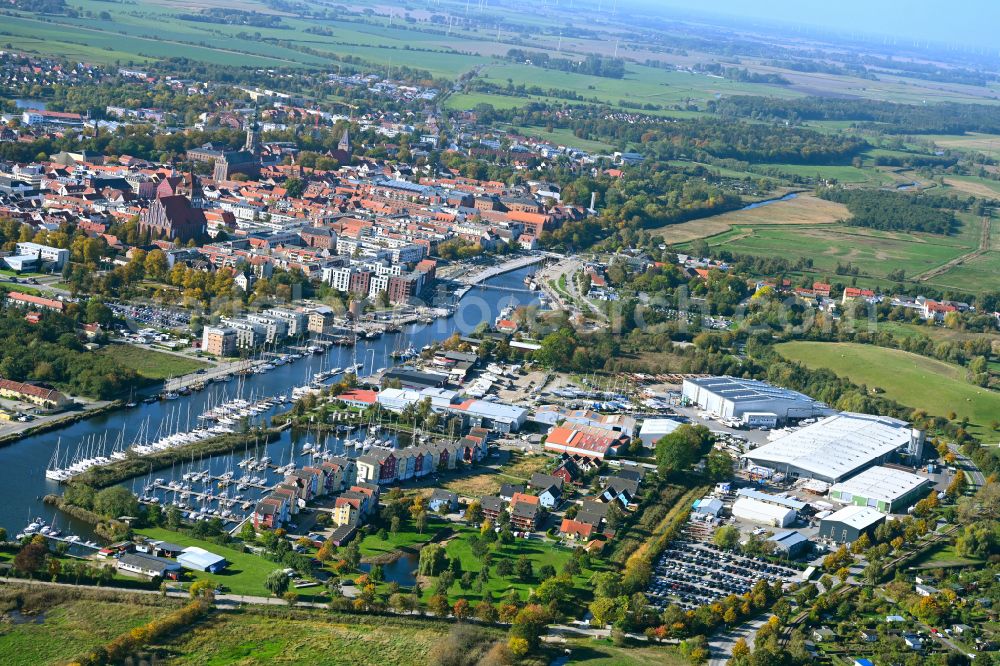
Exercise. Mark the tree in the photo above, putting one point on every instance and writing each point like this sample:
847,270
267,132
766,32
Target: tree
486,611
276,582
432,560
727,536
474,513
247,533
30,558
518,647
523,569
505,567
156,265
682,448
438,604
529,623
607,610
718,465
957,486
116,501
204,588
461,610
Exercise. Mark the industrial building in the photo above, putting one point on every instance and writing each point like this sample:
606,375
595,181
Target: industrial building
653,430
199,559
777,500
790,544
886,489
838,446
762,512
848,524
743,399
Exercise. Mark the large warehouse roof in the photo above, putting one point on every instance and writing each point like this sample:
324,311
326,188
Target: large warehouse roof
881,483
858,517
746,390
836,446
761,512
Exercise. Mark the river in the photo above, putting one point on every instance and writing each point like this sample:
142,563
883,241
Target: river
768,202
23,464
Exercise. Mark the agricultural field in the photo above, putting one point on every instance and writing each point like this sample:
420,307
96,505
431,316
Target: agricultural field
803,209
253,637
980,187
641,84
153,364
912,380
987,144
873,252
80,624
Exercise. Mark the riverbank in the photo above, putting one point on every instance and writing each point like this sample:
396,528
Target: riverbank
106,528
61,421
123,470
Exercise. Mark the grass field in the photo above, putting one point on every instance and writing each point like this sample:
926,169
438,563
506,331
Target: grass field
564,137
936,333
804,209
976,273
250,637
245,573
916,381
487,481
840,173
69,628
152,364
980,187
592,652
944,556
875,253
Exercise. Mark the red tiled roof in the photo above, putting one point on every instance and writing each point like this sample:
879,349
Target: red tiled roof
575,528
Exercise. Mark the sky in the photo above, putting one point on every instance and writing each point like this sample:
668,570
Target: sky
958,22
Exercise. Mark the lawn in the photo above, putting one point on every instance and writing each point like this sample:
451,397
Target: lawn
244,575
69,628
153,364
255,637
943,557
915,381
803,209
539,551
406,537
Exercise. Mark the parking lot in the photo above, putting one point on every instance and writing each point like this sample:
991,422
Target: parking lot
152,316
691,573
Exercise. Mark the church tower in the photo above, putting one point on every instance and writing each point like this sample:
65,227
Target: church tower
252,145
345,142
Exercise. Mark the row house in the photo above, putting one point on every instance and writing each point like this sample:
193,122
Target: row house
384,467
